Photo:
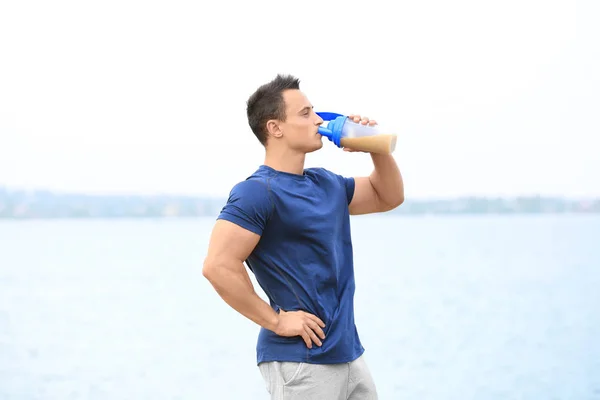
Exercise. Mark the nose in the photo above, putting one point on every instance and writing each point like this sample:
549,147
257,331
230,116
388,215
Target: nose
319,120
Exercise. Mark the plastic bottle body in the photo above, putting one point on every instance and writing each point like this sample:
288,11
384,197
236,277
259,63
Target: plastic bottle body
352,129
344,132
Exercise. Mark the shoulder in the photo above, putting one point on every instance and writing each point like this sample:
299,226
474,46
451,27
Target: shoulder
256,182
327,174
250,186
343,182
254,189
321,172
249,204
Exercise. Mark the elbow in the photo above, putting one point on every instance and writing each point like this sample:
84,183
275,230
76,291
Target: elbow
390,204
396,203
399,200
218,270
209,269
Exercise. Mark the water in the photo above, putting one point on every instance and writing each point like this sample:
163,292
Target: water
459,307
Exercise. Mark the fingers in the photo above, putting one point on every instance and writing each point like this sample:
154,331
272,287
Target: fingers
312,330
316,319
306,338
316,328
362,120
312,326
357,118
312,336
305,325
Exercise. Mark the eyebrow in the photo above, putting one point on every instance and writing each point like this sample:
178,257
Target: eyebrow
305,108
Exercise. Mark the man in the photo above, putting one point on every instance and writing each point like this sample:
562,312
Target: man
291,226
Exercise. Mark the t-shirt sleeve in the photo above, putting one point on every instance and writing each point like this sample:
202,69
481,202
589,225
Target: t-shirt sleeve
349,184
249,205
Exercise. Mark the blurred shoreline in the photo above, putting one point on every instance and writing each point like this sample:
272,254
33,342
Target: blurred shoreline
40,204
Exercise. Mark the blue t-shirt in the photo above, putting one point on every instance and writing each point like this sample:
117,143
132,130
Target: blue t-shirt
303,260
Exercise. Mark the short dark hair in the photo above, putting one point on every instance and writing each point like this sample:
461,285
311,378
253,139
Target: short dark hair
267,103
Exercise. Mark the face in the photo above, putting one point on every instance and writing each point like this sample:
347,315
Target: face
300,129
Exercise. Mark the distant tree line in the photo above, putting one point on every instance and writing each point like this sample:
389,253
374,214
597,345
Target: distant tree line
18,204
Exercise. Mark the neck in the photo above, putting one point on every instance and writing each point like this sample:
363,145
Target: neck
285,161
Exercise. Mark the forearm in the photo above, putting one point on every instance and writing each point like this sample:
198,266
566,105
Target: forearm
236,289
387,180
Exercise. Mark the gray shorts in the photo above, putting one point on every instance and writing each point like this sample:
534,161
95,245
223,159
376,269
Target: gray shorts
292,381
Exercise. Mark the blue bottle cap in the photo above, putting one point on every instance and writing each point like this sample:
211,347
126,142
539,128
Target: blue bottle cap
334,128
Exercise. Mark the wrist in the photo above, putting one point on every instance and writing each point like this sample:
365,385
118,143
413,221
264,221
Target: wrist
273,322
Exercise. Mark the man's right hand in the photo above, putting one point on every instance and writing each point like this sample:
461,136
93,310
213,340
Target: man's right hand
300,323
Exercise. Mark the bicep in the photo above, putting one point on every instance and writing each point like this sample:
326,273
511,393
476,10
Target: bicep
365,199
230,242
240,224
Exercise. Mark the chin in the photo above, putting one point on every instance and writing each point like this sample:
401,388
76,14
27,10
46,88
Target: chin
316,147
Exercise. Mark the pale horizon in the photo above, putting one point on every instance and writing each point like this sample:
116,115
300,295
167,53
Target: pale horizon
490,100
224,195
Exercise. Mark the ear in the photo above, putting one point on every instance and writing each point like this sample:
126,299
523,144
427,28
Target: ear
274,128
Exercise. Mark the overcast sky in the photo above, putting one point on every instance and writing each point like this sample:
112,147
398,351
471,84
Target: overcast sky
488,98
